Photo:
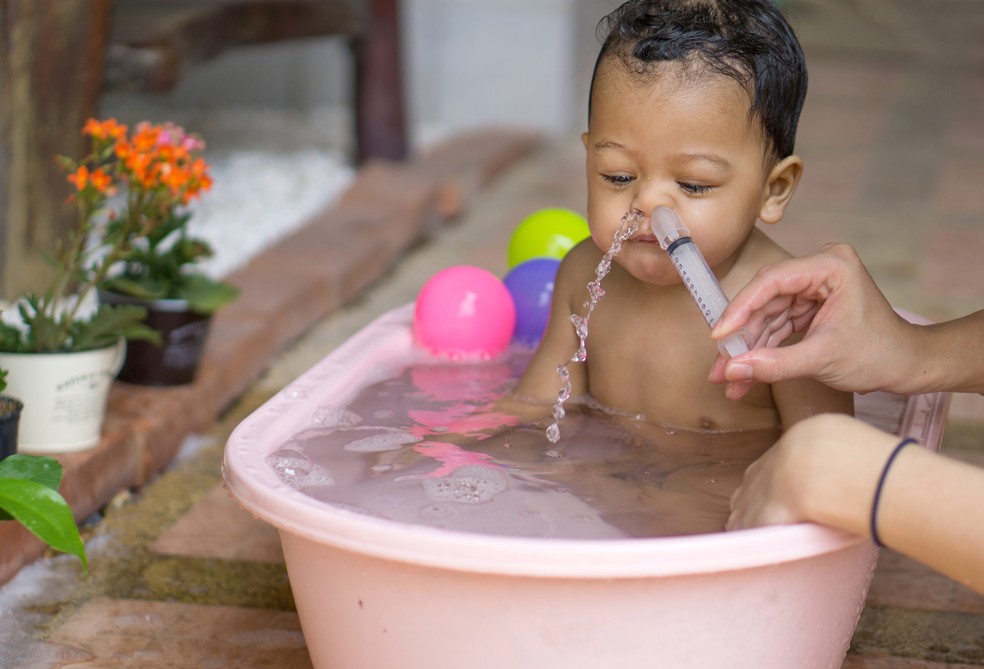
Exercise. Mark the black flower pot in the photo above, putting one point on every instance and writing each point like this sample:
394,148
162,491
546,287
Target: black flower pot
183,334
10,411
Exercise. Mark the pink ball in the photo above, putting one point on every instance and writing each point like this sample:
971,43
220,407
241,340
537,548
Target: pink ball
464,311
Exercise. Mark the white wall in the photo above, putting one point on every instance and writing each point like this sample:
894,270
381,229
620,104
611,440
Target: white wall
480,62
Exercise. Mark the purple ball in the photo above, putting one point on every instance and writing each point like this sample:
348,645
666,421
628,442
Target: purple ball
531,284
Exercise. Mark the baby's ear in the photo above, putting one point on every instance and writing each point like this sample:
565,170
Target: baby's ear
780,187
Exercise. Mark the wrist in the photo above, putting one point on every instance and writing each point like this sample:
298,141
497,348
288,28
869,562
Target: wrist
841,460
911,366
954,351
939,357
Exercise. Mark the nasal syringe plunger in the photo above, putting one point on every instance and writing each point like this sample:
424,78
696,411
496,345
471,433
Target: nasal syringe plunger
674,237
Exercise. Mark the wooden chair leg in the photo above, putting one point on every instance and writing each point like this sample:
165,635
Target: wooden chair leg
379,108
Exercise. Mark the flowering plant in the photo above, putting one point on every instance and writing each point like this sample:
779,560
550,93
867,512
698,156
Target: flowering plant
131,191
161,169
55,319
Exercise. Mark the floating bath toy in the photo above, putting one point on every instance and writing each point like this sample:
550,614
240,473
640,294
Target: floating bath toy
547,233
464,311
531,284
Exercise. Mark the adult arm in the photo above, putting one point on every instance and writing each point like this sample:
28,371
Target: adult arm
826,469
852,339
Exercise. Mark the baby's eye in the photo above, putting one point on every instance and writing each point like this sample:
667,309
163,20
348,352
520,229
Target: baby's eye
617,179
695,189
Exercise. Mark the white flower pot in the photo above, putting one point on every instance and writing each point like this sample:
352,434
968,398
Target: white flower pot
64,396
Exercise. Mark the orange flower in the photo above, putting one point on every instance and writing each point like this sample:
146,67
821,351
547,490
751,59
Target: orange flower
101,130
100,180
123,149
80,177
145,138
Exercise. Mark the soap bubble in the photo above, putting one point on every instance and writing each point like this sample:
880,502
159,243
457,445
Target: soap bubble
328,416
386,441
471,484
296,471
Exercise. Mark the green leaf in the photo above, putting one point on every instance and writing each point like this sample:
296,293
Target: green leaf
45,513
204,295
125,285
10,338
40,469
109,324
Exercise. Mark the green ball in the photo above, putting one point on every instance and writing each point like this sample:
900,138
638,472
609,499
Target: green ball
548,233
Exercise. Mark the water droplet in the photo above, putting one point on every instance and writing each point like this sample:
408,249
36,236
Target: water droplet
553,433
295,393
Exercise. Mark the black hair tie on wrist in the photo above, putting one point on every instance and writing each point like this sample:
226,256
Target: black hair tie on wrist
878,489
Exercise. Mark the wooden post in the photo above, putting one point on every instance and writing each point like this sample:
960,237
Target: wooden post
52,65
380,118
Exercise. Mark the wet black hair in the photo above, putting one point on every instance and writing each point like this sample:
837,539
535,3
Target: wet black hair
747,40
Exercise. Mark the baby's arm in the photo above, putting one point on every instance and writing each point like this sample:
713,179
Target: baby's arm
540,382
801,398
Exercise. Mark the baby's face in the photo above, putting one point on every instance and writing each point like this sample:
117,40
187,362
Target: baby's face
687,145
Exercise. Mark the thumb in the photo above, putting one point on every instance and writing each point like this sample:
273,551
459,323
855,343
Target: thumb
769,365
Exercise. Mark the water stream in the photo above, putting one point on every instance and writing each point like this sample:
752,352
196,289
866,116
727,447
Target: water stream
626,228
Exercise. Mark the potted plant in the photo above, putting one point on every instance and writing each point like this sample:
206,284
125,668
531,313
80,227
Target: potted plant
29,495
10,410
159,170
60,347
29,487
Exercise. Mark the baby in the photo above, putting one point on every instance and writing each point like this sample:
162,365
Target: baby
693,106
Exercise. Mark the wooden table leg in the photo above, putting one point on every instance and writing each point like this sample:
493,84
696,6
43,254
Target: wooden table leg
52,64
379,107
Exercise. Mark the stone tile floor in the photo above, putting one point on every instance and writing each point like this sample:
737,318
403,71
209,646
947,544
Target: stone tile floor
894,147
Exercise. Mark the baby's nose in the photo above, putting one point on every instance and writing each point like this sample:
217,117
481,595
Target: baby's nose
649,198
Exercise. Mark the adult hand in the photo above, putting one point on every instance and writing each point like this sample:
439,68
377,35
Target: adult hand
822,469
826,469
851,338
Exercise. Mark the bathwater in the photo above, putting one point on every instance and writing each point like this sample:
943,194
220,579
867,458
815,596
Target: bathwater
432,446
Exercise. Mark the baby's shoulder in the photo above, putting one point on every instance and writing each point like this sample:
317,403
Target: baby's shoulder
576,269
761,250
580,261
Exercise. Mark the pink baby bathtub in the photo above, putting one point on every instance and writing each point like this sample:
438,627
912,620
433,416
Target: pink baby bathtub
377,594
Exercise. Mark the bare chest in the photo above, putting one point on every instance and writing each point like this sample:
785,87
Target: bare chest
654,361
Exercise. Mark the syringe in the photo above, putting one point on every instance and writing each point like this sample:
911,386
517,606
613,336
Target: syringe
674,237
